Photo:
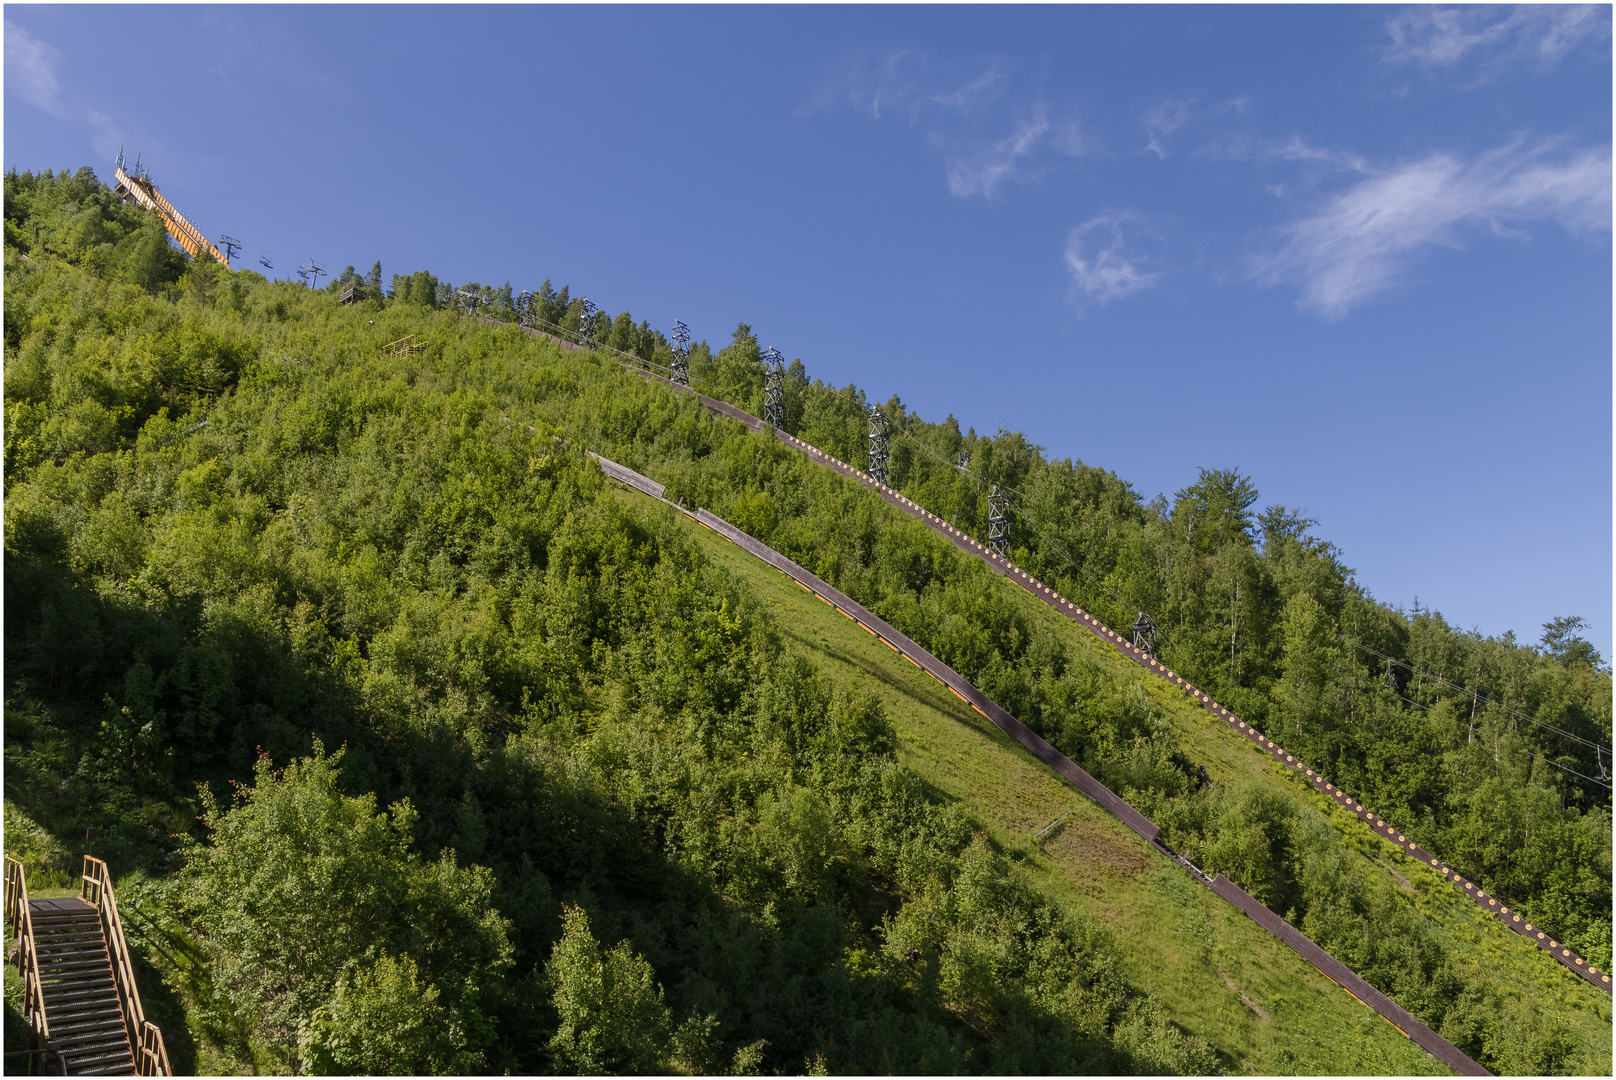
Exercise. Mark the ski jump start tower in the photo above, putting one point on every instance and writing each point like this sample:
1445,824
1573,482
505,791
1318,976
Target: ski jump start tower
134,183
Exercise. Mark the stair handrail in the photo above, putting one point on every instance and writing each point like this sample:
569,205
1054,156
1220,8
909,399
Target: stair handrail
145,1038
22,927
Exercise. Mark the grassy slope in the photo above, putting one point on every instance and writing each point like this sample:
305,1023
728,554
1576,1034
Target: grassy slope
1470,932
1189,949
1016,810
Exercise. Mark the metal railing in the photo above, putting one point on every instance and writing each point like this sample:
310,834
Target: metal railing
145,1038
22,929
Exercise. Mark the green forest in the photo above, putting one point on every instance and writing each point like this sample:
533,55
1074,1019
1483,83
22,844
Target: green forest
416,749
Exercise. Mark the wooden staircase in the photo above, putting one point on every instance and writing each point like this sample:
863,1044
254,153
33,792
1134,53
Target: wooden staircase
80,999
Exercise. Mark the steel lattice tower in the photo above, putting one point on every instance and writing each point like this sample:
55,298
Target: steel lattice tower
586,324
1144,634
527,309
681,353
878,446
774,382
998,523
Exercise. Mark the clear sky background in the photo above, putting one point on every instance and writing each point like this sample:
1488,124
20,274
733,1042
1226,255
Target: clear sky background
1362,254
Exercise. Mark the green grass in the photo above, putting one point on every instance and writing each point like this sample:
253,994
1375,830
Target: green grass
1210,966
1460,925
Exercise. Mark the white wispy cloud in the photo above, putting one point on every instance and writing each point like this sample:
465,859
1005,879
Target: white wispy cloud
982,169
1101,270
903,82
957,108
1494,38
31,70
1365,239
1297,150
31,74
1162,120
972,94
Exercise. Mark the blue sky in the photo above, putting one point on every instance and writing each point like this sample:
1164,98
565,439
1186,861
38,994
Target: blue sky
1362,254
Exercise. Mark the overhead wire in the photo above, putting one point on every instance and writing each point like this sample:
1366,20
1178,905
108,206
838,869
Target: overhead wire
1476,695
1059,549
1043,534
634,358
1530,753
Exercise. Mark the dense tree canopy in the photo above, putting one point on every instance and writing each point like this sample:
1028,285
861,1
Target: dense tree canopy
590,811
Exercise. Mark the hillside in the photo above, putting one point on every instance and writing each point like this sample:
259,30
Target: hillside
627,774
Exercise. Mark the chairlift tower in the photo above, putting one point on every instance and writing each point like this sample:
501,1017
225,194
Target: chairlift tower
311,272
998,523
774,381
586,324
878,446
470,298
1144,634
230,245
681,353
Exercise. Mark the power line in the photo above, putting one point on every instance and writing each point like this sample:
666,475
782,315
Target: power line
1050,543
562,332
1059,549
1530,753
1477,696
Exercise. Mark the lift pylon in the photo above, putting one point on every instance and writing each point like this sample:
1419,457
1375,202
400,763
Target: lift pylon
774,379
878,446
998,522
681,353
1144,634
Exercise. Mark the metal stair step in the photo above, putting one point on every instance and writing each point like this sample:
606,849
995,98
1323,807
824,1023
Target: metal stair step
79,989
108,1070
86,983
55,948
79,999
73,970
81,958
105,1050
71,990
101,1035
65,1020
84,1064
56,941
62,1021
81,1006
68,953
67,923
